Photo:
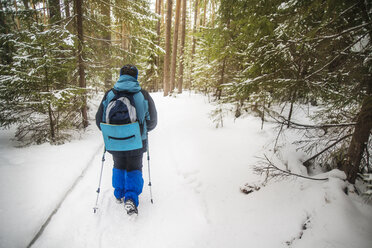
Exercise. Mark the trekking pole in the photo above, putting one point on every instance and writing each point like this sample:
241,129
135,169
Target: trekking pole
148,167
100,179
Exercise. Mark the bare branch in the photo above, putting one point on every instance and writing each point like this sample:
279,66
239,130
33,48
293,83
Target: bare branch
306,163
304,126
271,166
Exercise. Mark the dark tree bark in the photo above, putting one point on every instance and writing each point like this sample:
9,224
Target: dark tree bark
213,11
222,80
25,3
362,130
67,8
106,43
81,67
167,48
175,43
54,11
293,98
183,36
159,5
205,13
195,24
358,141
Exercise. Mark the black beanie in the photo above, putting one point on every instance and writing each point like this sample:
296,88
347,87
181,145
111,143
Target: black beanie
129,70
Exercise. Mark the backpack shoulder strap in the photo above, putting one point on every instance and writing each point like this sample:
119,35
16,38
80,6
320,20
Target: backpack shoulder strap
129,95
142,111
110,95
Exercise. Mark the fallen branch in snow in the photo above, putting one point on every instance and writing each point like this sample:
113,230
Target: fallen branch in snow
270,168
307,126
306,163
280,119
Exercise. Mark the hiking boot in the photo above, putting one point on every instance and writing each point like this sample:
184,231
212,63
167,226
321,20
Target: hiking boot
130,207
119,201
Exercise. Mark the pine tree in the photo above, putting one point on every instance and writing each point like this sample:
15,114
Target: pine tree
80,54
34,96
182,54
294,52
167,48
175,46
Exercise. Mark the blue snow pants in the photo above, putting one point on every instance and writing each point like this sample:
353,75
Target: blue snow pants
127,177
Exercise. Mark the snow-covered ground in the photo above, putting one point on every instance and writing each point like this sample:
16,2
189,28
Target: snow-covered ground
197,172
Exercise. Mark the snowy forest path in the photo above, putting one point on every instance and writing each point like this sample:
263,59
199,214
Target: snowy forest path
176,201
197,171
191,191
56,209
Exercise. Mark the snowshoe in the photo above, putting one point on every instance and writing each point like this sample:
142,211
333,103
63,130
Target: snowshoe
130,207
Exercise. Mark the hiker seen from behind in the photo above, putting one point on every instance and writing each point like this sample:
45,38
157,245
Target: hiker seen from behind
125,116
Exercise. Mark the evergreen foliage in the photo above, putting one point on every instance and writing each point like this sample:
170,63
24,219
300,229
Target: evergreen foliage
265,53
132,38
258,55
35,93
39,55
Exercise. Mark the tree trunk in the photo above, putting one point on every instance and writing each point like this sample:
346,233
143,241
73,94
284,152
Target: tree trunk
290,115
81,69
194,38
106,43
16,17
222,79
44,13
125,33
167,47
51,123
158,30
25,3
293,97
205,13
213,11
183,36
194,28
359,141
67,8
175,43
3,25
55,11
162,10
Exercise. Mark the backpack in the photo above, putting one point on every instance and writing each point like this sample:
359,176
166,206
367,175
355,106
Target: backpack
121,110
121,129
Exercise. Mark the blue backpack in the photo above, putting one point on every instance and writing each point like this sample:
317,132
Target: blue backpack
121,130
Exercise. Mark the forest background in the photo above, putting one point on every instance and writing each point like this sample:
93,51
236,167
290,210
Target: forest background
260,56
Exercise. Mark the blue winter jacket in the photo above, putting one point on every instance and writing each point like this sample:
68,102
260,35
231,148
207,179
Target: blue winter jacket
145,108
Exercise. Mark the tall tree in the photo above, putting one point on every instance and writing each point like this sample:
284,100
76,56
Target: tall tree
106,43
196,11
67,8
81,66
362,131
182,50
158,31
25,3
167,48
54,11
174,49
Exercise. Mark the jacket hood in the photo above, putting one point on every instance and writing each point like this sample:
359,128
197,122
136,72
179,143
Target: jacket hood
127,83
